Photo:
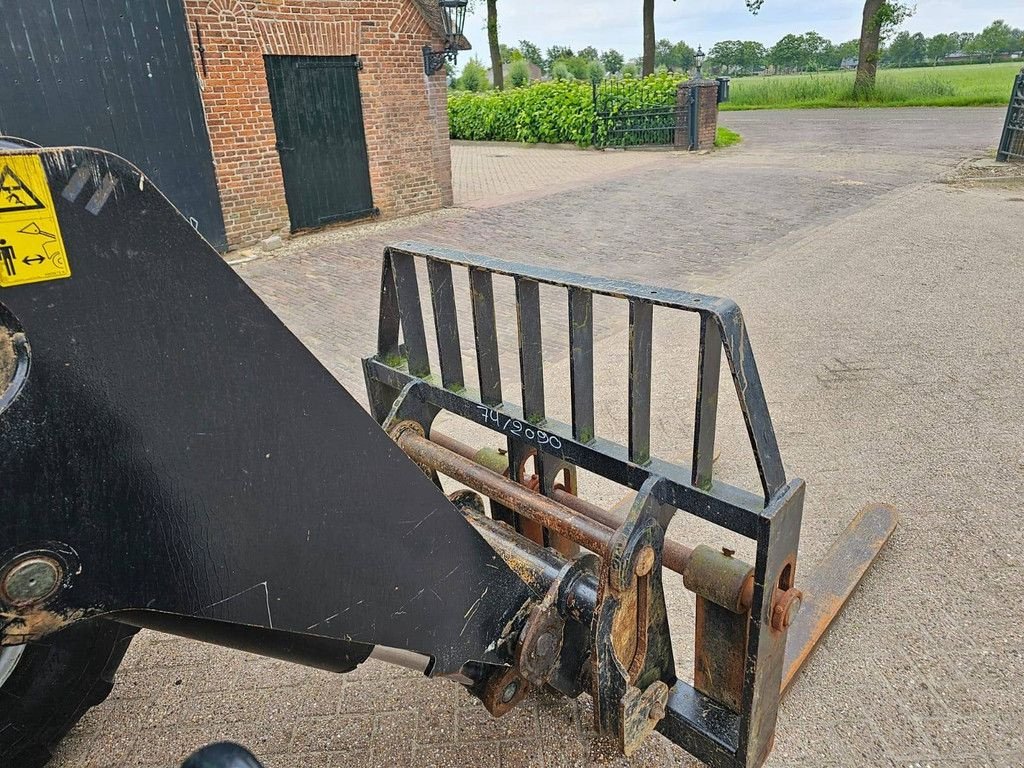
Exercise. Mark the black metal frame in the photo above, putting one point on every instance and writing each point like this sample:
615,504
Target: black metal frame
402,386
1011,144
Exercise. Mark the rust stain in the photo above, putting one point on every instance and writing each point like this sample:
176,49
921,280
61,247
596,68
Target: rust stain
19,628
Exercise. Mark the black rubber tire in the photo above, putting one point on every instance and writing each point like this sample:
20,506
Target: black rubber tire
56,681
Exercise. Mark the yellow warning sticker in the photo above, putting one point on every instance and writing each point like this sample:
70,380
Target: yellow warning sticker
31,246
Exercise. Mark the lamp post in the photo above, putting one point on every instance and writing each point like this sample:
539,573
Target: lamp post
453,17
698,58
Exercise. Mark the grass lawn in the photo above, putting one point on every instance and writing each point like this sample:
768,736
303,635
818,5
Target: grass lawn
956,86
726,138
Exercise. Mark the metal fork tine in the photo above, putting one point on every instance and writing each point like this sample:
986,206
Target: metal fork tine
709,366
446,322
486,332
641,316
581,362
411,313
531,358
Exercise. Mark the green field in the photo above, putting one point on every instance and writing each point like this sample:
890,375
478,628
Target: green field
955,86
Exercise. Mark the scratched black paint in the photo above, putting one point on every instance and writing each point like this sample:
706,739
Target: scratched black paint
201,462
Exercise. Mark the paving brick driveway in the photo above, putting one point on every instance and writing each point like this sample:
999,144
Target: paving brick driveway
885,312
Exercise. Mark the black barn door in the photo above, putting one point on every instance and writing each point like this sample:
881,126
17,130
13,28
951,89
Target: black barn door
318,116
117,75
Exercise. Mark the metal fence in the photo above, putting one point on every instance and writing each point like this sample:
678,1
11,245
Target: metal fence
1011,146
632,113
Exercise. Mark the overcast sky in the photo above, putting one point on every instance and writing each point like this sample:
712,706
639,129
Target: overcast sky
618,23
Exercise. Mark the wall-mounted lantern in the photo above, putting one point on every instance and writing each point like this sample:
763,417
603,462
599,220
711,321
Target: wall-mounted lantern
453,16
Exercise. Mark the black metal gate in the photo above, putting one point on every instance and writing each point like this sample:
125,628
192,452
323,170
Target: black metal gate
630,113
1011,147
318,116
118,75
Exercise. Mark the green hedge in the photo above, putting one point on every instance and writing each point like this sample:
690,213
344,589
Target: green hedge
553,112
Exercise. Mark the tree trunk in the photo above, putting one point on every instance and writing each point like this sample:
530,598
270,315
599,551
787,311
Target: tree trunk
870,31
497,67
648,68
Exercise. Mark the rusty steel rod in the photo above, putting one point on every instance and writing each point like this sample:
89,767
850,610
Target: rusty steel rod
675,556
549,513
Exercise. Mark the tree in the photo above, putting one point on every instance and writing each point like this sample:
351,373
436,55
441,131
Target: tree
789,53
737,56
531,53
497,65
559,71
816,50
589,53
907,49
964,40
997,37
557,53
677,57
519,73
880,18
508,55
474,76
578,66
847,50
940,46
648,59
612,60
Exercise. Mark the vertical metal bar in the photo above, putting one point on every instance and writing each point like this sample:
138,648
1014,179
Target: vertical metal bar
709,366
581,363
388,322
411,314
641,316
531,357
778,539
486,332
446,322
694,119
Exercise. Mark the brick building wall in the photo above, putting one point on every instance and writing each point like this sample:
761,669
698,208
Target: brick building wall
405,113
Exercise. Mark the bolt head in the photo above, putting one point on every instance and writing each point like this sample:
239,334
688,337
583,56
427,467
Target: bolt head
645,563
786,608
510,691
31,580
547,643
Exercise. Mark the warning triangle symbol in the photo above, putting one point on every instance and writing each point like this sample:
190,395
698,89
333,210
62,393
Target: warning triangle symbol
14,195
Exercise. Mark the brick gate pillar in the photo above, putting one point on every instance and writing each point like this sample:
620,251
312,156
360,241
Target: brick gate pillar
707,114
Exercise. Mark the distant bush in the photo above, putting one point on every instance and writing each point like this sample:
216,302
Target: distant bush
560,71
595,72
474,77
519,73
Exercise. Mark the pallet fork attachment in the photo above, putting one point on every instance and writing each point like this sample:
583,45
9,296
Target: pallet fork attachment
175,459
755,624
